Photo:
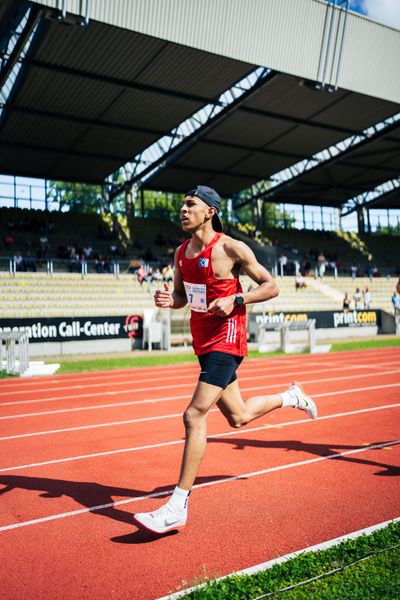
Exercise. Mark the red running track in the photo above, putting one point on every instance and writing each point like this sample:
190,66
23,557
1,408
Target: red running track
81,453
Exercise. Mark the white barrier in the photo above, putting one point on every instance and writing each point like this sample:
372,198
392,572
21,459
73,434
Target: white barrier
285,327
156,328
15,347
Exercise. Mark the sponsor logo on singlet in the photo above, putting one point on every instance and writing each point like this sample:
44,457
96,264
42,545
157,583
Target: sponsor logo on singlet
203,262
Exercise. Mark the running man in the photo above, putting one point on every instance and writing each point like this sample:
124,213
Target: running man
207,270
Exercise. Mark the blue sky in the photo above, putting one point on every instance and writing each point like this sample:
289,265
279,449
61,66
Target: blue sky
384,11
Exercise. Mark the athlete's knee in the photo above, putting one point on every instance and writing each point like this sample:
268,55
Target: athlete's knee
193,417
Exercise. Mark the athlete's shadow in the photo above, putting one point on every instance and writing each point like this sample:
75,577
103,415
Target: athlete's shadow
94,496
322,450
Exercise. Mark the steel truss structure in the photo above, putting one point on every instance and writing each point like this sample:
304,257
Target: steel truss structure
17,41
369,198
290,175
186,134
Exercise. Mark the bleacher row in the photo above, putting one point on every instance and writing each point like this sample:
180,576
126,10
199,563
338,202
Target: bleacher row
67,294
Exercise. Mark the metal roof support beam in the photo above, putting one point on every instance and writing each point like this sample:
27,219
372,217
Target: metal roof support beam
181,138
19,42
85,120
327,157
132,85
23,38
62,152
370,197
297,120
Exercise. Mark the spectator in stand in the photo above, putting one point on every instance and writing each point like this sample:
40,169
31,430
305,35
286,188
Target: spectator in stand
9,241
346,302
376,272
396,299
168,273
353,270
307,268
19,262
321,264
283,264
88,252
156,275
141,274
133,266
357,299
299,282
30,263
367,299
43,246
368,271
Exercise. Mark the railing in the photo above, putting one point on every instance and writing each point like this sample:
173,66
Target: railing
14,344
114,267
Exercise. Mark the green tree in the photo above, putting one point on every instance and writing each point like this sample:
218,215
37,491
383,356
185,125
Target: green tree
79,197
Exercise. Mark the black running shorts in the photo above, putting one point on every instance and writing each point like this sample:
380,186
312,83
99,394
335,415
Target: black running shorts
219,368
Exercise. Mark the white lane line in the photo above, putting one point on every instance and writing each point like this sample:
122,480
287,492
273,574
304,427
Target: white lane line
270,374
201,485
324,360
124,379
282,559
164,399
216,435
130,389
170,415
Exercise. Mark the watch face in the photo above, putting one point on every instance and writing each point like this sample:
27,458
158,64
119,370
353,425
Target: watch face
239,300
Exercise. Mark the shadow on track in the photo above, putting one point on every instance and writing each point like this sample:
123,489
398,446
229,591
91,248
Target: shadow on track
316,449
90,495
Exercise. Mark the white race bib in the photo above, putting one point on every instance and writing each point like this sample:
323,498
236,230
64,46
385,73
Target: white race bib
197,296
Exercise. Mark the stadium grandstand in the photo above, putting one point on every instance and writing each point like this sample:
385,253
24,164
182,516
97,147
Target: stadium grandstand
267,131
110,111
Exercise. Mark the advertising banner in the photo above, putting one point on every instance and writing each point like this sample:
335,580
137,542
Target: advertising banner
323,319
72,329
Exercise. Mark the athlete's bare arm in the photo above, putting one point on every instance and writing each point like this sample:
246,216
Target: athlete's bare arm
235,255
177,299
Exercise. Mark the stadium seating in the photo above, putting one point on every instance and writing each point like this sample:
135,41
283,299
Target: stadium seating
39,295
134,237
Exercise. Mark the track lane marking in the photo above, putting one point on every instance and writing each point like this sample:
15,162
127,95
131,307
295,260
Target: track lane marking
216,435
269,375
167,398
330,358
198,486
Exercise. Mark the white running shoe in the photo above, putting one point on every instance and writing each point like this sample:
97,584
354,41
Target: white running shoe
304,402
164,519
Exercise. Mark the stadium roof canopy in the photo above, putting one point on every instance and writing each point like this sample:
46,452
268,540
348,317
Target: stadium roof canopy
83,96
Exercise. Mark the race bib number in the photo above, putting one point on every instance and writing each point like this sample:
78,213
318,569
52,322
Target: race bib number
196,295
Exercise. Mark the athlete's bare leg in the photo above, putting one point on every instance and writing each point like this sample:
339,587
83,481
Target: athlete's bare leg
238,412
195,419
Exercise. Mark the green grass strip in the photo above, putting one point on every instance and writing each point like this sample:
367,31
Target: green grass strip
364,344
102,364
4,375
376,577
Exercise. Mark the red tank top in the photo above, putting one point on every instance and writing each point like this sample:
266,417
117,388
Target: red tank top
211,332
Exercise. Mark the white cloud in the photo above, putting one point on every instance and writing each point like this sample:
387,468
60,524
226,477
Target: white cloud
384,11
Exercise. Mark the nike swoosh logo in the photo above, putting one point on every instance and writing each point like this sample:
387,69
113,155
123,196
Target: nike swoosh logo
169,522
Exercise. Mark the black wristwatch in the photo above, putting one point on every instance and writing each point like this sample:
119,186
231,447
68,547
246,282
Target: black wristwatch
239,300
